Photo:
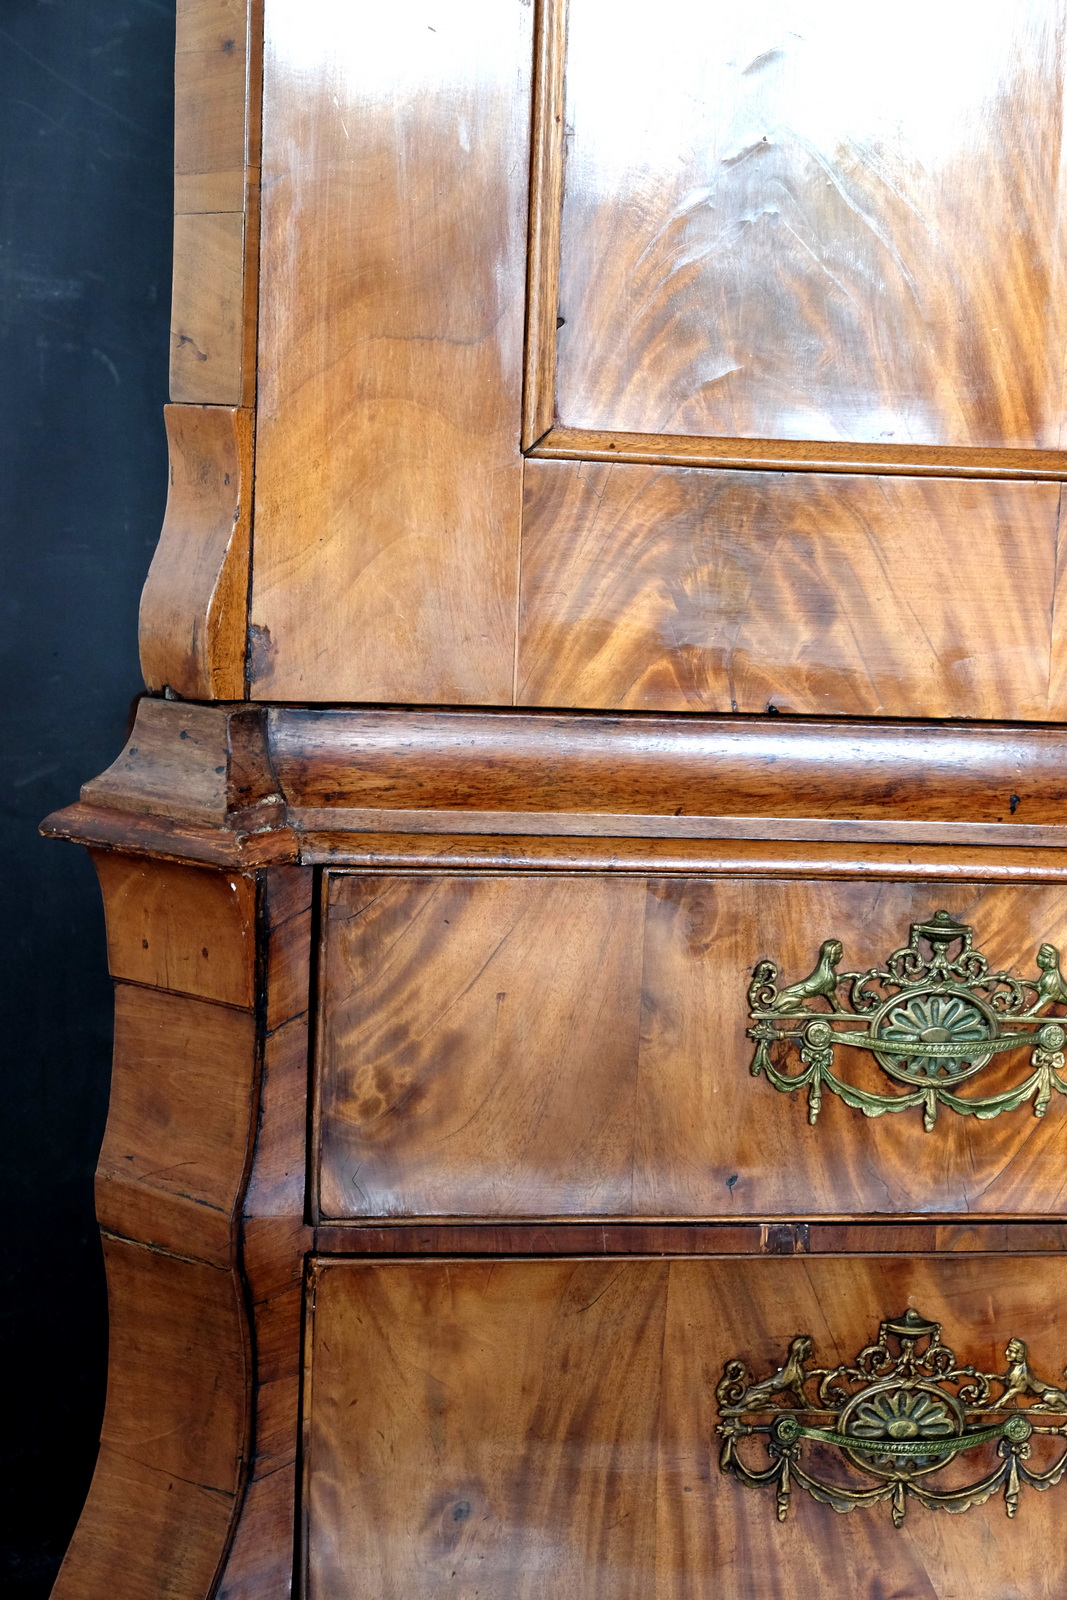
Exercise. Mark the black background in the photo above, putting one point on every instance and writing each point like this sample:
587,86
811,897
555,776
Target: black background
86,109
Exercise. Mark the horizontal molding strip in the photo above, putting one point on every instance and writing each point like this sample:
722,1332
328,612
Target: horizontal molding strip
693,857
244,787
623,825
596,1236
801,455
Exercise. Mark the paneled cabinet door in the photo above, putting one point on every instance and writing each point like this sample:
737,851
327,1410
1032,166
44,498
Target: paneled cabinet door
745,392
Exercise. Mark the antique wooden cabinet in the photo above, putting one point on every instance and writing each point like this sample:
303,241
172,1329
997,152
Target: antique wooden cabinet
586,883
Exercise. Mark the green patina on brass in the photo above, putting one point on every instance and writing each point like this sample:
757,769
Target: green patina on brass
933,1016
903,1411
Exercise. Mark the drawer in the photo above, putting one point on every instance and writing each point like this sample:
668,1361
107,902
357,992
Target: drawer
579,1044
511,1429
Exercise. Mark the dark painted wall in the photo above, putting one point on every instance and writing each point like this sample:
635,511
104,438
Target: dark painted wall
85,197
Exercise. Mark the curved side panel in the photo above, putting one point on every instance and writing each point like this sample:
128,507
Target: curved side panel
194,607
176,1437
158,1515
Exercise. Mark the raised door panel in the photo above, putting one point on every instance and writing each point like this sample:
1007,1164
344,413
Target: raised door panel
541,1045
799,236
810,220
804,239
521,1428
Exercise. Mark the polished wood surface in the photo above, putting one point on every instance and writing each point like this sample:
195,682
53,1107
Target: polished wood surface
176,1431
807,299
472,785
168,1476
869,864
523,1046
799,455
451,762
274,1245
200,1193
194,608
546,204
688,1238
173,1159
388,477
559,852
218,74
676,589
510,1429
249,786
780,224
153,909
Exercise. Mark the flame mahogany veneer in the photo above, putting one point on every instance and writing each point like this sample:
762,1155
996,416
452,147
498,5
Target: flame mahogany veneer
614,538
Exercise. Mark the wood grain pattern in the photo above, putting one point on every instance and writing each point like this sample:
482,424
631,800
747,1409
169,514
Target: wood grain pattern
194,608
549,1047
800,455
679,589
174,763
218,75
210,112
511,1429
275,1244
173,1161
189,929
137,834
182,1119
208,309
546,203
786,853
770,226
198,764
279,781
535,762
866,863
168,1475
687,1238
388,484
311,823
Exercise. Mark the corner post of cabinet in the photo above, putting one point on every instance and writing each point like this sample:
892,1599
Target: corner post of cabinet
194,609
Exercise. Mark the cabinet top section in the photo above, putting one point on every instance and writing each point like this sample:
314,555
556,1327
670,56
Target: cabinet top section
524,356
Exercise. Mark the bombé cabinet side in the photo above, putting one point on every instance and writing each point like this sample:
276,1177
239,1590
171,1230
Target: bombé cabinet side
585,884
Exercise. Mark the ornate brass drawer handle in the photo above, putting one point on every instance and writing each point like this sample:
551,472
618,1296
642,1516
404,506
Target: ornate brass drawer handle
903,1411
931,1018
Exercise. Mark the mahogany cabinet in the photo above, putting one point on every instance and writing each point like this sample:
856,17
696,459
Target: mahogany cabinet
586,883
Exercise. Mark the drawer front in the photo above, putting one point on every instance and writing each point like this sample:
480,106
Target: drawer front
517,1429
579,1044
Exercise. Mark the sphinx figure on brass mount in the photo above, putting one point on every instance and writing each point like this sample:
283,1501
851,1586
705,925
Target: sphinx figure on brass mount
931,1018
904,1411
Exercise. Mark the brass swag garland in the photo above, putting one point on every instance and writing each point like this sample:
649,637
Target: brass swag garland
905,1410
931,1018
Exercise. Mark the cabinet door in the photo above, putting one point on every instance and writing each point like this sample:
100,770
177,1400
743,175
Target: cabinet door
747,393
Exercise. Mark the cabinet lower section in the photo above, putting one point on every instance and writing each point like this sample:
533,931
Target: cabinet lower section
470,1229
